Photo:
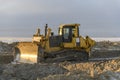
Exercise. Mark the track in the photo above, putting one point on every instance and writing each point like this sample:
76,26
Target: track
90,60
67,55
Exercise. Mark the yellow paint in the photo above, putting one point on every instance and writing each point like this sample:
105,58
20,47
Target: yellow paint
25,58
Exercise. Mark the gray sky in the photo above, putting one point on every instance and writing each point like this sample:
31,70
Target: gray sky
98,18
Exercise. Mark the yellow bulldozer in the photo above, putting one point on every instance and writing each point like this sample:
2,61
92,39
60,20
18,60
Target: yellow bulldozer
68,45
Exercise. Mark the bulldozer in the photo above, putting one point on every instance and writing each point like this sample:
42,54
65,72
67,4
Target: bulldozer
68,45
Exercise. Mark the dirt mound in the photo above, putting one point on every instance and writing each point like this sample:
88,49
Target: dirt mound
104,70
101,70
109,75
98,67
6,52
106,49
6,48
29,71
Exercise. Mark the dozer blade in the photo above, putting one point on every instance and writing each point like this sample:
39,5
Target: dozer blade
26,52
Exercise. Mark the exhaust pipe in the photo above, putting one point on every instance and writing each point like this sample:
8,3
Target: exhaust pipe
46,26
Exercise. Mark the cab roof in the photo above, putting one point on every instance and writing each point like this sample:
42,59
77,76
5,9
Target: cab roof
75,24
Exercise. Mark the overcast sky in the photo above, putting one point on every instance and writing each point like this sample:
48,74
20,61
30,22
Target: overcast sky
21,18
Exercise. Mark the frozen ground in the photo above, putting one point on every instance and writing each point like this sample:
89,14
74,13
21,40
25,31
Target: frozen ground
107,39
100,70
91,70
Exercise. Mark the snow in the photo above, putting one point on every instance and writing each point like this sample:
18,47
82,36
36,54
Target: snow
17,39
107,39
14,39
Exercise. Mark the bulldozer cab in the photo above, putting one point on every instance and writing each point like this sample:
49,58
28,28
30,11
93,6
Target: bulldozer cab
68,32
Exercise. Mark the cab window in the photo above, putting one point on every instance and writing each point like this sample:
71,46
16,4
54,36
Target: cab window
66,33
